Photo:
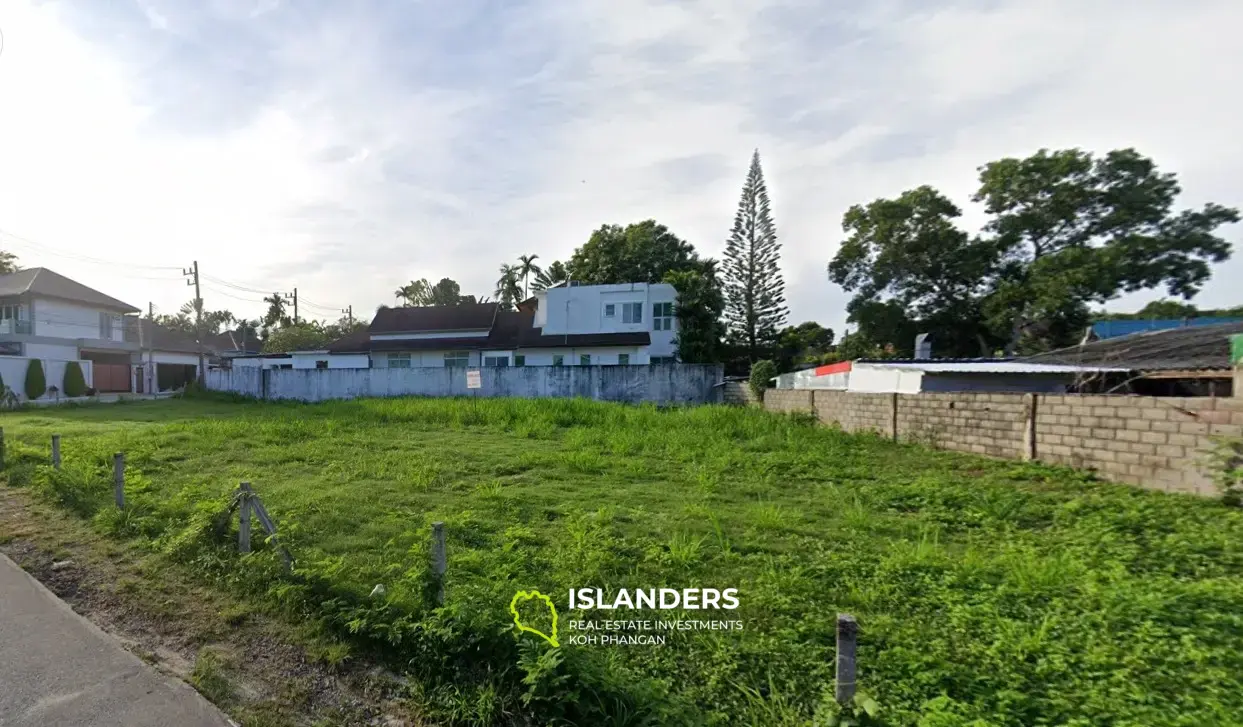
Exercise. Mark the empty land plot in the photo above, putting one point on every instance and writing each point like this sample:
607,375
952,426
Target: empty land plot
987,592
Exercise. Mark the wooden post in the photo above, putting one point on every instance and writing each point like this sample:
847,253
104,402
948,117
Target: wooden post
1,448
243,519
56,451
1029,426
118,478
440,562
847,636
893,416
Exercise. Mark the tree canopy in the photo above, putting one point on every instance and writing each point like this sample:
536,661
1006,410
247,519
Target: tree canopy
754,288
8,263
1065,230
643,252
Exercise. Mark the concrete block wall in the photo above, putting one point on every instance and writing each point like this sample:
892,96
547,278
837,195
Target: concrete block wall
739,393
1154,442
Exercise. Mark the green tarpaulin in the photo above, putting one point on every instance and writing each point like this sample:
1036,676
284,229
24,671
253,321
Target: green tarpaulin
1236,349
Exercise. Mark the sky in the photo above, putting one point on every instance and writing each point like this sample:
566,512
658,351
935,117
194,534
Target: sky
345,147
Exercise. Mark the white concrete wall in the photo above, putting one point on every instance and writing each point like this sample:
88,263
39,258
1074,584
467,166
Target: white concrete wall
62,319
673,383
420,359
600,356
13,369
866,378
51,350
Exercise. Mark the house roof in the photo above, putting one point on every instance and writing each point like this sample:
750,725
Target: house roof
991,367
357,342
513,330
1114,329
232,341
159,338
41,281
1189,348
467,317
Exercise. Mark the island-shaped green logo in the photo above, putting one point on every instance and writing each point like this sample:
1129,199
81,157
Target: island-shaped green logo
523,596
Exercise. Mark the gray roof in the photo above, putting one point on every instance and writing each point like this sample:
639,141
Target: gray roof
1196,347
41,281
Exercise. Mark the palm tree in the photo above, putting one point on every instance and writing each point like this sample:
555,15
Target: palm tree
418,292
276,311
552,275
526,268
507,291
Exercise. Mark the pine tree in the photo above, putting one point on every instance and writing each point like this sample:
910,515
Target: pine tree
754,290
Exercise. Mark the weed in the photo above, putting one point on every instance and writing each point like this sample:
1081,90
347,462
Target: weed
209,676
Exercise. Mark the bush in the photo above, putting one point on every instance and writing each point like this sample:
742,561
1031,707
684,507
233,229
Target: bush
75,382
761,373
36,384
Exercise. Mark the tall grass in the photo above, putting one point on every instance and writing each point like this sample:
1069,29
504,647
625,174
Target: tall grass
987,592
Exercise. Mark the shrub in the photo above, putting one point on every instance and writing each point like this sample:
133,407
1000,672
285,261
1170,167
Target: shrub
75,382
90,391
761,373
36,384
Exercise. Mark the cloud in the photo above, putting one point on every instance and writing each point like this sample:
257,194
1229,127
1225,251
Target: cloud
344,148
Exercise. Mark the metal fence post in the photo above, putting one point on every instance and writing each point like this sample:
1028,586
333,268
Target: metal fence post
243,519
118,478
847,637
440,562
56,451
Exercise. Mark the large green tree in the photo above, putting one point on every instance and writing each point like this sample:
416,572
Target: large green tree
8,263
509,286
700,305
755,306
638,253
1065,229
803,343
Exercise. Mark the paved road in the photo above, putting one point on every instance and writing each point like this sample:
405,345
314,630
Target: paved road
57,668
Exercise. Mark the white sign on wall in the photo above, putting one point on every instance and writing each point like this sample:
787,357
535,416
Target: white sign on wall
473,380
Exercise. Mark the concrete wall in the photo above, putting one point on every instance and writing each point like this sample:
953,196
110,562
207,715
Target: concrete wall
335,361
739,393
669,383
13,370
51,350
1154,442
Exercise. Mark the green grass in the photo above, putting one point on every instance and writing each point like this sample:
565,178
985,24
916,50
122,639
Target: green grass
987,592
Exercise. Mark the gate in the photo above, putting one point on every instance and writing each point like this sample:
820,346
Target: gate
111,378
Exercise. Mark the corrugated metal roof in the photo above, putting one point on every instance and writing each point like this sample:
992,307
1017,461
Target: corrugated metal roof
1114,329
1193,347
990,367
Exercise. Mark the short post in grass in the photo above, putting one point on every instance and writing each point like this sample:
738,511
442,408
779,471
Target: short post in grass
847,637
56,451
1,448
440,562
118,478
243,518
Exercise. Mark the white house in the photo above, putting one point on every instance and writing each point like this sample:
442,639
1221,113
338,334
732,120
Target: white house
586,325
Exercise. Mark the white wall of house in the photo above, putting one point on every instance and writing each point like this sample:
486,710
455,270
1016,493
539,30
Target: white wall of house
418,359
622,308
62,319
51,351
310,359
600,356
180,359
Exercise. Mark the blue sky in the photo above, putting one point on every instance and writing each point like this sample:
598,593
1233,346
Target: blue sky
347,147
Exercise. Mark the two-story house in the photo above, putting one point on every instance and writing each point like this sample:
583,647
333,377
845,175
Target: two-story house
569,325
44,315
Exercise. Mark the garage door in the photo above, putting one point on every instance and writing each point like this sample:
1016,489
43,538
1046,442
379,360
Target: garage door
111,377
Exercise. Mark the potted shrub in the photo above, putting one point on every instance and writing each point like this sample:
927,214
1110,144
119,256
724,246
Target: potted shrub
36,384
75,382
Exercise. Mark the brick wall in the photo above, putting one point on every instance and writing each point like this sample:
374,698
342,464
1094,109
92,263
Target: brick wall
739,393
1153,442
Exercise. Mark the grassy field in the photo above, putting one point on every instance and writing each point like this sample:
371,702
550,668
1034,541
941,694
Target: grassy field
987,592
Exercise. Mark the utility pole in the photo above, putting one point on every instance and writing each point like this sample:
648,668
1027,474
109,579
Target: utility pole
198,318
293,298
350,313
150,367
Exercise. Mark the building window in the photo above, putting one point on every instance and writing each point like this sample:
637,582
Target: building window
285,366
632,312
105,326
558,360
584,360
662,316
664,359
457,358
610,310
520,360
321,364
623,359
399,360
496,361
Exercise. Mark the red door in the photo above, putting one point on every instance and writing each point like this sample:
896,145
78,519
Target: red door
111,377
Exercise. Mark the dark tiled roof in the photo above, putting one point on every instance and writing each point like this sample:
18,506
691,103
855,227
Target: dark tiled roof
357,342
513,330
1195,347
469,317
232,342
159,338
41,281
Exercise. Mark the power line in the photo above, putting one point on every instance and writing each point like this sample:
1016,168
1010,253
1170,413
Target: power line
231,295
236,286
49,250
